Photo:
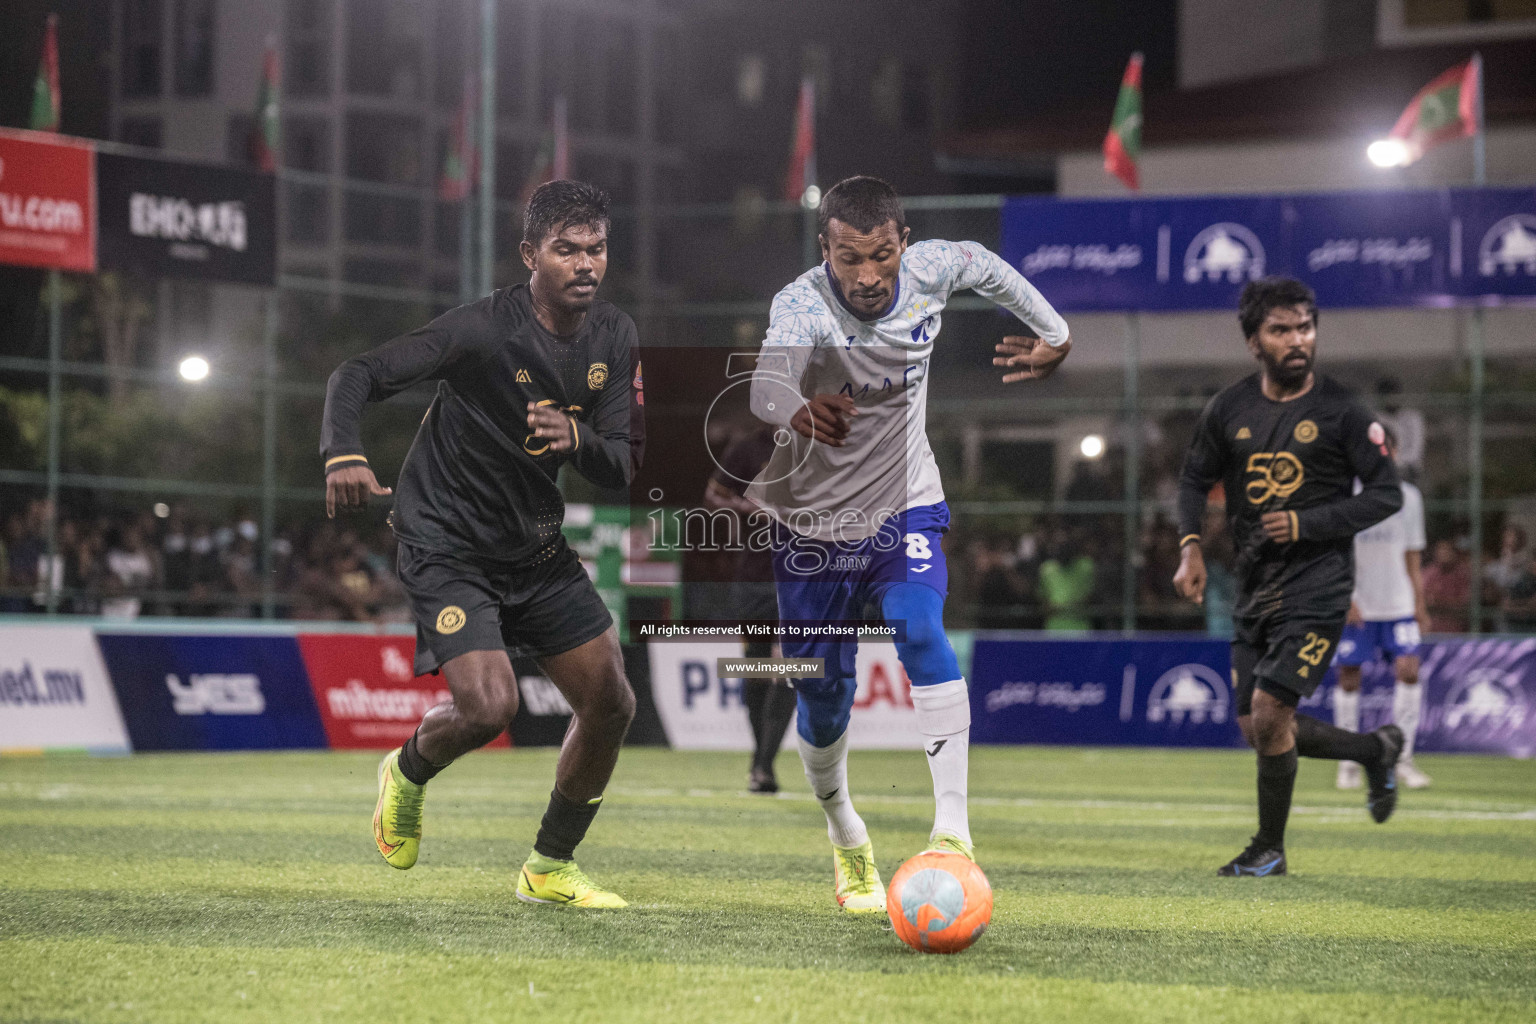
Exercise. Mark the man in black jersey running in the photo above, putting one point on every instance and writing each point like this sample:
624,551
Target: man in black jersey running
529,378
1288,445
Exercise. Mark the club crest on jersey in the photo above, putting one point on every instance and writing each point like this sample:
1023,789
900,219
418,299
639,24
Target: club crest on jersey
523,378
1306,432
597,376
450,620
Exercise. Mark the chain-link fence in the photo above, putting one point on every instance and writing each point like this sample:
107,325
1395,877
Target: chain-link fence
204,498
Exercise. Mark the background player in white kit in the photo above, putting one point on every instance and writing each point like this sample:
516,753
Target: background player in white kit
1386,614
855,494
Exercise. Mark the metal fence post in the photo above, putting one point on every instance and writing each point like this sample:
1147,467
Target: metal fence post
269,456
55,401
1132,496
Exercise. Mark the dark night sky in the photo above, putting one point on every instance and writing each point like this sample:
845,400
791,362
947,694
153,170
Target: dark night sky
84,41
1023,54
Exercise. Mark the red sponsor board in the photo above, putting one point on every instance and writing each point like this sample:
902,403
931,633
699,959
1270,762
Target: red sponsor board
47,202
368,694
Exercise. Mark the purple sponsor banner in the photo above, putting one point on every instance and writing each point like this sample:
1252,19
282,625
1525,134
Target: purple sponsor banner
1479,697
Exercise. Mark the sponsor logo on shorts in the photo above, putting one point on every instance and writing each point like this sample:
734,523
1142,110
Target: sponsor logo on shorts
597,376
450,620
1306,431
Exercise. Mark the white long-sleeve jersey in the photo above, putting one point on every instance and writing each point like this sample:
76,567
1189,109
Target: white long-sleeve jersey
815,345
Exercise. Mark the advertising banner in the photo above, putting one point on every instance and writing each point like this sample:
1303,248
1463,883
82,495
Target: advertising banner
701,711
47,211
163,218
212,692
1479,696
54,693
1356,249
1164,693
368,696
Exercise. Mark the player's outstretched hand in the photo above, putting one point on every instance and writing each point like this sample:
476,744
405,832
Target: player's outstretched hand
825,418
1189,581
351,486
1029,358
552,425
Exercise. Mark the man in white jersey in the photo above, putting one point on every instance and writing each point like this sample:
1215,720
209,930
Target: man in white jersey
854,493
1386,614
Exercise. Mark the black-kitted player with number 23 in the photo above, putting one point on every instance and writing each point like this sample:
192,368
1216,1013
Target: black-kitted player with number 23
1288,444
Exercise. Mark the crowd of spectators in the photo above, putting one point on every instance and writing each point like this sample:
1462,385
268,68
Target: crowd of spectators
173,561
1066,573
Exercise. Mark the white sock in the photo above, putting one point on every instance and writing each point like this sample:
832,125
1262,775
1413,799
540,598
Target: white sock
944,718
1407,699
826,769
1346,710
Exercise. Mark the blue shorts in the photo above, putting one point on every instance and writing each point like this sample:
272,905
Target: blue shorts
820,581
1370,640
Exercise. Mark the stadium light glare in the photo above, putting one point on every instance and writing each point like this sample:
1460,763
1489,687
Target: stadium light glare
811,197
194,368
1092,446
162,510
1387,153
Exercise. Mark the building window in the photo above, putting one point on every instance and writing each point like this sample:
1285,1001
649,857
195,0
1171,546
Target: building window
141,48
307,144
193,40
140,131
307,69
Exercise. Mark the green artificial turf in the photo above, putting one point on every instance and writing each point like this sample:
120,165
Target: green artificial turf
246,887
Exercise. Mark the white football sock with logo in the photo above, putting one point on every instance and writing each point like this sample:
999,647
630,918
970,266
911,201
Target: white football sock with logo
944,719
826,769
1407,700
1346,710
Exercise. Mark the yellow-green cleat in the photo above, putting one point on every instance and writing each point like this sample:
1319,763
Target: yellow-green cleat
943,842
397,816
859,889
561,882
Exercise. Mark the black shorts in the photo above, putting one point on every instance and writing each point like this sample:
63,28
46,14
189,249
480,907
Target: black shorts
1283,654
535,610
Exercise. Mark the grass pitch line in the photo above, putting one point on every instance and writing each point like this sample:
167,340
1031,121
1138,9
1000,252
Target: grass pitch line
695,793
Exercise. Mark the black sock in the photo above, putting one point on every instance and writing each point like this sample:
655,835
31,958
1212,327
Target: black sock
1319,739
778,712
564,826
415,767
1277,779
754,694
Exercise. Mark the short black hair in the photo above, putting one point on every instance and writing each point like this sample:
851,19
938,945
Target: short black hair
1267,293
555,205
863,203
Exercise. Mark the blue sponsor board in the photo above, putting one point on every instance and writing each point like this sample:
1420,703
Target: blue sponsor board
1479,696
1166,693
213,692
1360,249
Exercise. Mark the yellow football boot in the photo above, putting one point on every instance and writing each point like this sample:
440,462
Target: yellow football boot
561,882
857,880
397,816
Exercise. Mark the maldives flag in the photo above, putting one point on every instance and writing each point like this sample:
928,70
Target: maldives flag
553,160
1122,146
1445,109
802,159
264,136
461,164
45,90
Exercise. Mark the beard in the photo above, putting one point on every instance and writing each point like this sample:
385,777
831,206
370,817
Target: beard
1285,374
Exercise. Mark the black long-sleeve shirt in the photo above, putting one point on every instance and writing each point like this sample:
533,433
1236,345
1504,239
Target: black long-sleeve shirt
476,483
1301,457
